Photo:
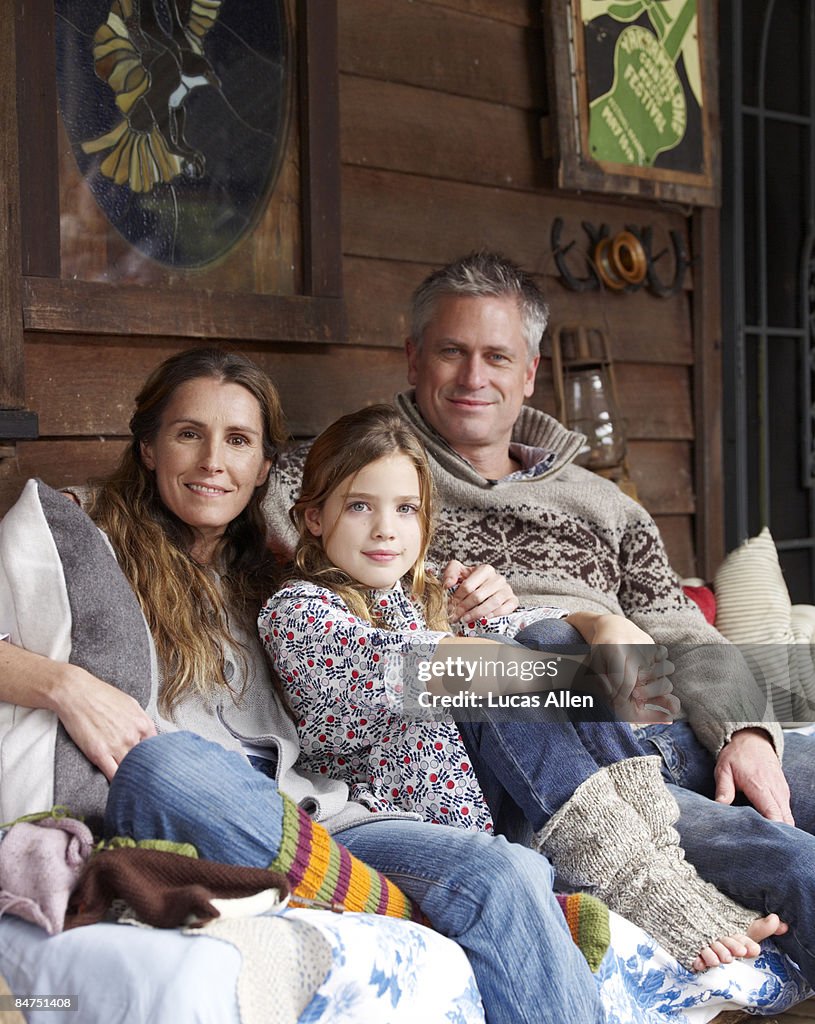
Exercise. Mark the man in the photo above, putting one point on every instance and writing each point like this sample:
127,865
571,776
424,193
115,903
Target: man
512,496
509,494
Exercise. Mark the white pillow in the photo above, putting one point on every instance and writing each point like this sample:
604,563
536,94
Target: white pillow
753,610
63,595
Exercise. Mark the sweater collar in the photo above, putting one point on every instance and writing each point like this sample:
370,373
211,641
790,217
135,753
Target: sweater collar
533,428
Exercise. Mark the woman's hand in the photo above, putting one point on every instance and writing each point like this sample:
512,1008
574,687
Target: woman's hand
634,671
480,592
104,722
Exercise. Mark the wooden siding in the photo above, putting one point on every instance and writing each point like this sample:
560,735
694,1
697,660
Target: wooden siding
440,107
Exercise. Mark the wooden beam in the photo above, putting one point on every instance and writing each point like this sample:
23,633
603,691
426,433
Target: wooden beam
84,307
707,343
320,144
38,149
11,321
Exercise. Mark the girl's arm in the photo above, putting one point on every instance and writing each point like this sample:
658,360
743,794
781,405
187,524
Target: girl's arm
103,722
318,646
344,677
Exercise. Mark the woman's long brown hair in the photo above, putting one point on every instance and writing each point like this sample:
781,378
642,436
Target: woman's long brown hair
185,608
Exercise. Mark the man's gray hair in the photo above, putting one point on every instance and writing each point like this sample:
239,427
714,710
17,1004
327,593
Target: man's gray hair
482,274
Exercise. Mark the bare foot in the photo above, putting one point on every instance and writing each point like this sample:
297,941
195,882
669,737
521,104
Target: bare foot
738,947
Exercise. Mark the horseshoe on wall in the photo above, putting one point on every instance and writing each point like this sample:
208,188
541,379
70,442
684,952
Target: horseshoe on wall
608,272
591,282
656,286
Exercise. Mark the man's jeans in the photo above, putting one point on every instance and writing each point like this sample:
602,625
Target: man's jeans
528,766
528,770
493,897
765,865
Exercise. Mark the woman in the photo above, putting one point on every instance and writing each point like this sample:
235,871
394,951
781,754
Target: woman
183,514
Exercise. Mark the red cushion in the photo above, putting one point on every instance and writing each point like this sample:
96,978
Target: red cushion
706,600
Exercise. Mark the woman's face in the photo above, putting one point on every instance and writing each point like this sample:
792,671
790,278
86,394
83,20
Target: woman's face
208,457
370,524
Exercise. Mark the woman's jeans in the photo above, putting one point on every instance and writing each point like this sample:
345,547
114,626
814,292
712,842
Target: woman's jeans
528,769
493,897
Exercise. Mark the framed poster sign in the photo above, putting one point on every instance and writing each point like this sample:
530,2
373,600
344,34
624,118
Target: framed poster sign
635,104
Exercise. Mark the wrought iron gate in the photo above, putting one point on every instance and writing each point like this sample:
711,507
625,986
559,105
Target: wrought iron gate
768,277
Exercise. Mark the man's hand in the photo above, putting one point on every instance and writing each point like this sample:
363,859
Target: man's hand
103,722
750,765
480,592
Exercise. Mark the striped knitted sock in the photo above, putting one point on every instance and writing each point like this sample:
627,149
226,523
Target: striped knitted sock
587,919
319,868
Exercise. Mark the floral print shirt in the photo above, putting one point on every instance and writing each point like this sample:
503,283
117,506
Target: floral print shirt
338,672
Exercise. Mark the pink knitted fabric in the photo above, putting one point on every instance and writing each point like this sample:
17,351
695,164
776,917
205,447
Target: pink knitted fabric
39,865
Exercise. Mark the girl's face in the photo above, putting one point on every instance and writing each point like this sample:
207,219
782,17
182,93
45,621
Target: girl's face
370,523
208,457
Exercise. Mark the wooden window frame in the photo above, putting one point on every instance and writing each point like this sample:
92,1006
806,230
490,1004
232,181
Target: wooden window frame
35,298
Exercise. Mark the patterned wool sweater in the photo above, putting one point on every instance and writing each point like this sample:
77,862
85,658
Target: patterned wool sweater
568,537
571,538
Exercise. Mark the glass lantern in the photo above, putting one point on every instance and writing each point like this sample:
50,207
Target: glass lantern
590,409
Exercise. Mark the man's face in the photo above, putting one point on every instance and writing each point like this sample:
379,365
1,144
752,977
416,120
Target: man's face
471,373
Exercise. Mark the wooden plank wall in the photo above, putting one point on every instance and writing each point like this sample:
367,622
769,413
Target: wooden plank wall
440,107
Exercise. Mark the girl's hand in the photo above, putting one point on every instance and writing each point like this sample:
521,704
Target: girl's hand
480,592
634,671
636,682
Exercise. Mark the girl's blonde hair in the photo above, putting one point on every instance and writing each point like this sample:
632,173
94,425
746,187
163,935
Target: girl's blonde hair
338,454
185,607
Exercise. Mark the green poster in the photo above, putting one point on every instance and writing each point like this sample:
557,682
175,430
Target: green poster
644,83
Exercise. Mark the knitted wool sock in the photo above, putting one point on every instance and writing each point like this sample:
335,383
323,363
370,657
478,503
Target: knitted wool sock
319,868
639,782
587,919
598,842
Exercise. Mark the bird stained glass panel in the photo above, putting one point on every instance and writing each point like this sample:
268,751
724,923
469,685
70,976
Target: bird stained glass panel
177,116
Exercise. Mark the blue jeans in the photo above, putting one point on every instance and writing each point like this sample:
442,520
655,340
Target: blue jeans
767,866
526,769
493,897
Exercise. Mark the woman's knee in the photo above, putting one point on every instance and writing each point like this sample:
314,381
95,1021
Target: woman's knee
170,755
175,785
179,763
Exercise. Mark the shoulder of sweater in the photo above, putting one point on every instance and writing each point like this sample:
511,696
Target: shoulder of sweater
284,485
540,430
577,476
291,458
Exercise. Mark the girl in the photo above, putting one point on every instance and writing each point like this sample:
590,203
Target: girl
599,810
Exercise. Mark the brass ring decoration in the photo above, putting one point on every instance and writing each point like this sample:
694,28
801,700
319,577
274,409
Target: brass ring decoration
621,261
628,257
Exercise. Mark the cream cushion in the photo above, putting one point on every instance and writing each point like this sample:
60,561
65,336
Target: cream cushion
753,610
